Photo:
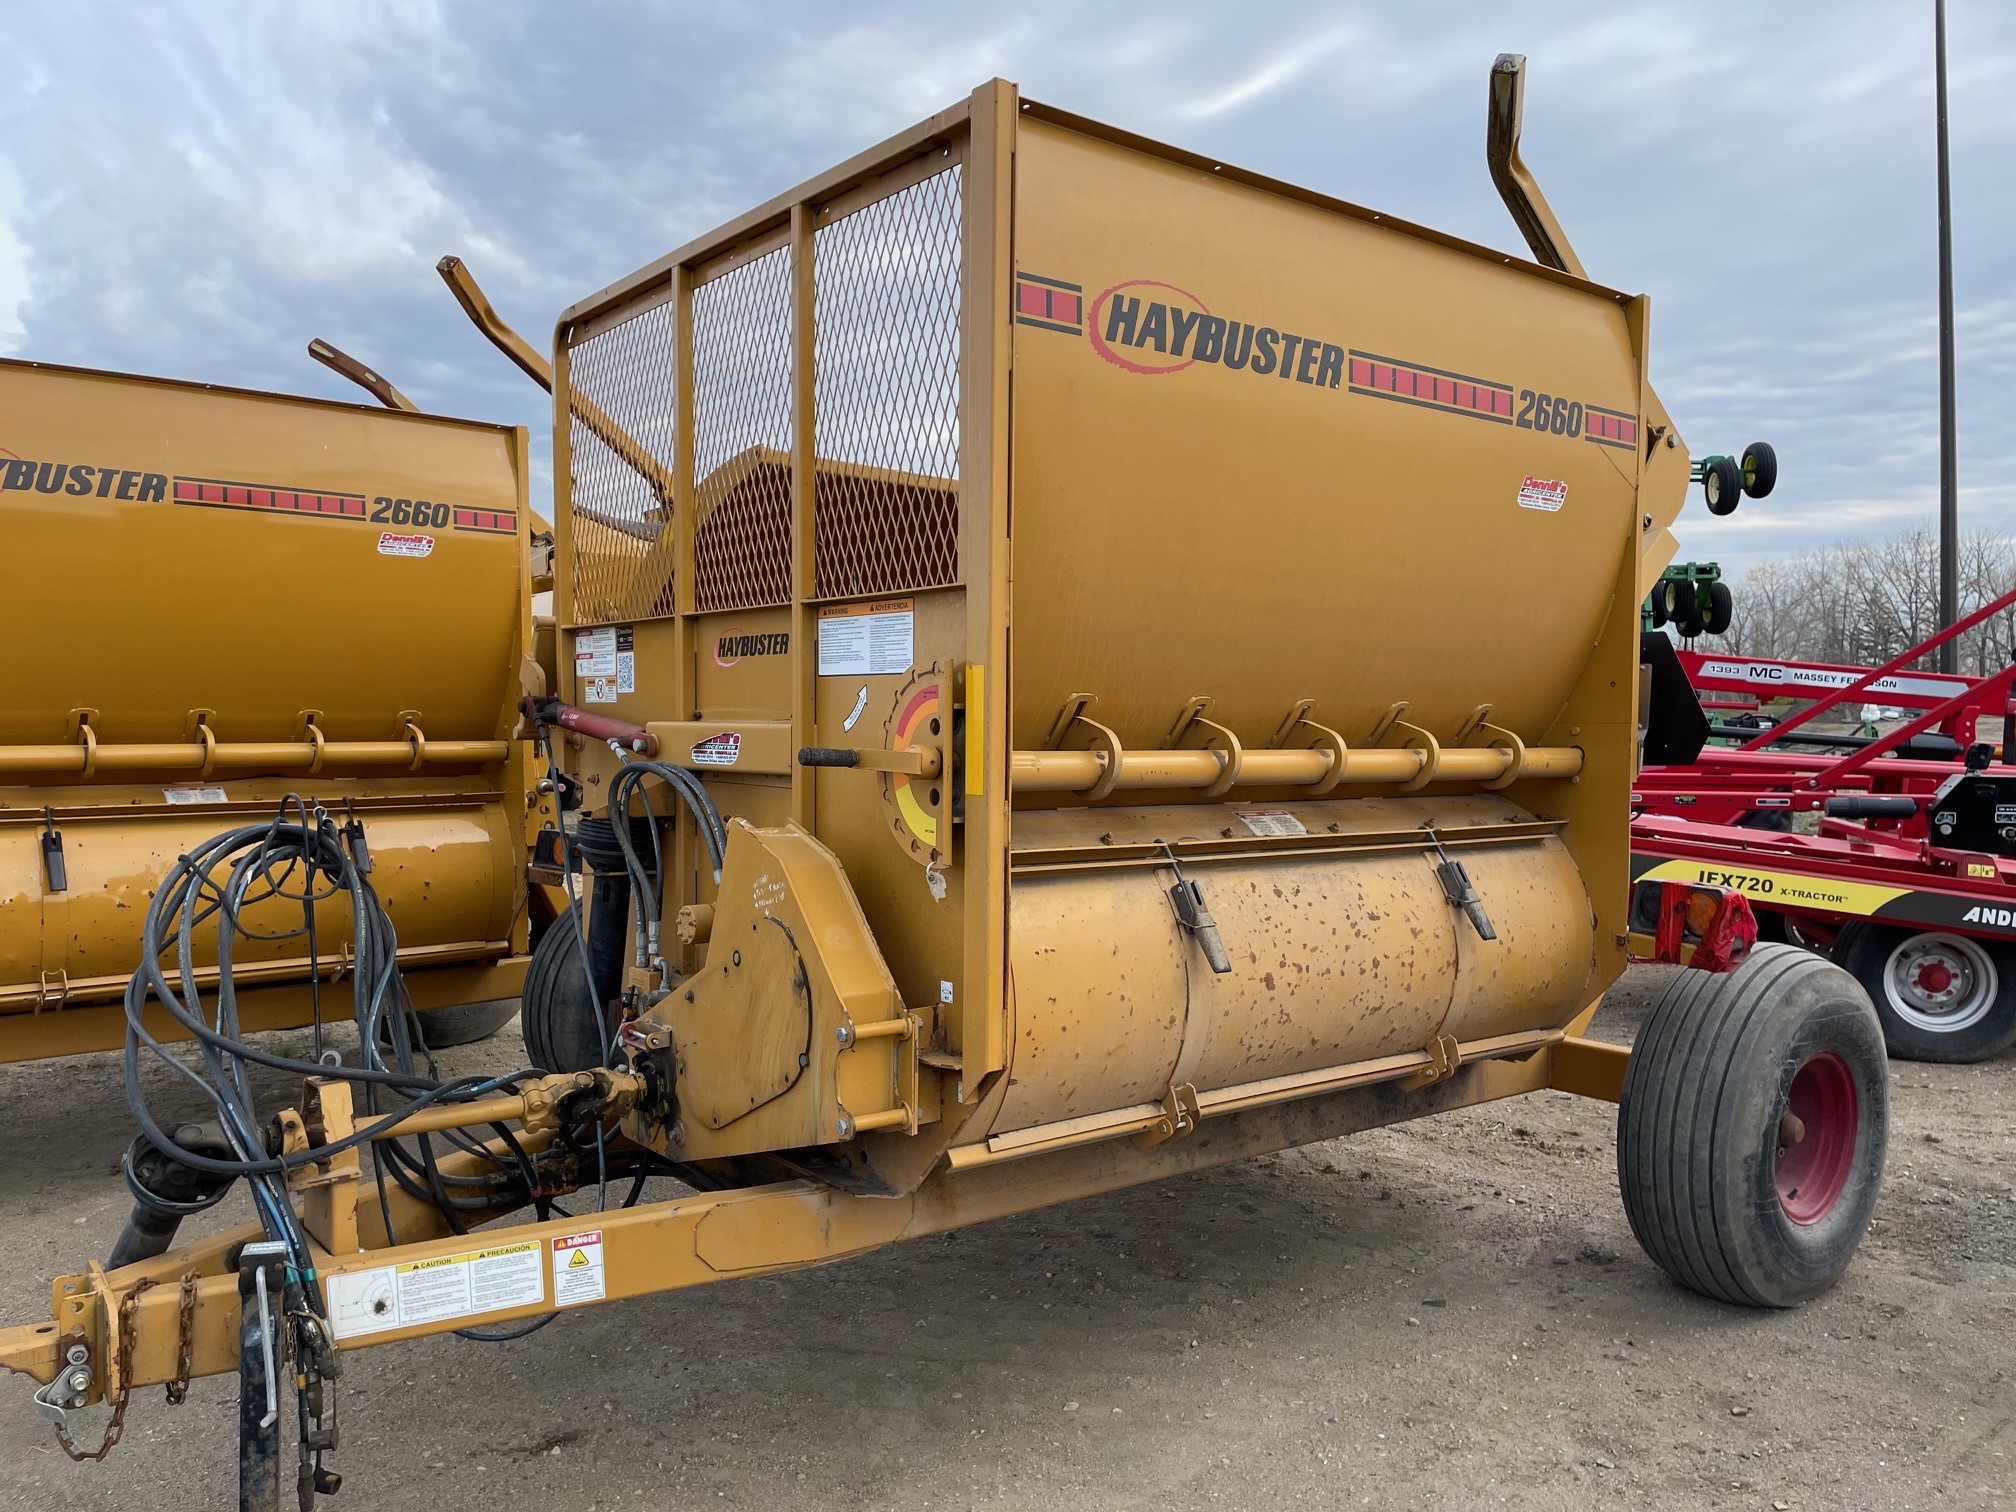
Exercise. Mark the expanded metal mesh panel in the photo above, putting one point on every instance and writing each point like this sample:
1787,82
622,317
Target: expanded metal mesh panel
622,438
742,435
886,318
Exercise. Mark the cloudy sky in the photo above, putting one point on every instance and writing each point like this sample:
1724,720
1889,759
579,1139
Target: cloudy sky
197,189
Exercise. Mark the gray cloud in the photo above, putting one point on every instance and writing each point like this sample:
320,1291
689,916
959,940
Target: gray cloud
197,189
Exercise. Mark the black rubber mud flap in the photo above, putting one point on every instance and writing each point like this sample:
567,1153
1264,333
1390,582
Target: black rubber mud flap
1676,726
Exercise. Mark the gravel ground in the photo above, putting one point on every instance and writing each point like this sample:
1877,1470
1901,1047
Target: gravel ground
1451,1313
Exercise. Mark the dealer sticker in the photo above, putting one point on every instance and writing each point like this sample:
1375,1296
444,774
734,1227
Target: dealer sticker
718,750
1547,494
392,543
578,1272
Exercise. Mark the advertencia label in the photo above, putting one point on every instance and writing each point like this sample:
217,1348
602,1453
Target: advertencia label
451,1287
578,1273
867,640
1547,494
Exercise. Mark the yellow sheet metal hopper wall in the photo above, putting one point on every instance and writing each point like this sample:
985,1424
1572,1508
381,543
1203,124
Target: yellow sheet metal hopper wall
226,597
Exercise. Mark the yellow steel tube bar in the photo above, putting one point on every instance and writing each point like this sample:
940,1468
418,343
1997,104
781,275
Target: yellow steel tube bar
195,756
1075,771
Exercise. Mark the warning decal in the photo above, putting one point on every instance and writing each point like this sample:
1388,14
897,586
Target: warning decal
867,640
577,1269
447,1288
1272,822
718,750
1547,494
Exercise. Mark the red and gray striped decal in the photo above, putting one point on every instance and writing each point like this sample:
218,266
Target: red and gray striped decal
496,521
1608,427
1432,388
1050,304
221,495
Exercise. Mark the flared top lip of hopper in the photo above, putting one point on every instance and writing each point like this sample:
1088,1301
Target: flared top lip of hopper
272,396
920,138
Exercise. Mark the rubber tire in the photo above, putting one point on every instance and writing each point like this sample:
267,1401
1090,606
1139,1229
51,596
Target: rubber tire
1759,468
1717,608
1722,485
558,1016
466,1023
1688,626
1863,950
1655,605
1697,1126
1672,595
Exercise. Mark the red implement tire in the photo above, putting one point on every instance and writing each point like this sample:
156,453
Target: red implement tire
1752,1128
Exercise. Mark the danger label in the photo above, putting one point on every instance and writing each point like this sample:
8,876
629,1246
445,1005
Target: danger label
441,1290
1547,494
867,640
718,750
391,543
577,1269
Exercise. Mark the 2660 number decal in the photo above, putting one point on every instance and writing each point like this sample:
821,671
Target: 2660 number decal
1544,412
386,510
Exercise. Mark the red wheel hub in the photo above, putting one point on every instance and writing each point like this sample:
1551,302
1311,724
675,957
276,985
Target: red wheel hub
1934,977
1816,1145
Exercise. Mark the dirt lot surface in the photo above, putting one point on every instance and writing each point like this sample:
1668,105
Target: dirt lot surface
1449,1314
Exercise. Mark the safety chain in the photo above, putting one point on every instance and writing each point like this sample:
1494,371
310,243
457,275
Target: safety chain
185,1342
118,1424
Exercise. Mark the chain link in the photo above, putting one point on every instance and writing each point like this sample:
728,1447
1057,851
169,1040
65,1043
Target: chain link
185,1342
118,1423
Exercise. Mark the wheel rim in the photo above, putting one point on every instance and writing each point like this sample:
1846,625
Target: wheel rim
1941,983
1816,1138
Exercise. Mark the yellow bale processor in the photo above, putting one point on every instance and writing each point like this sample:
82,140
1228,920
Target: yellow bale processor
1038,712
223,597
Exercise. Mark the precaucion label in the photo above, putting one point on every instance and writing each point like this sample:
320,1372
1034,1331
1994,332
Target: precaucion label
436,1291
867,640
578,1275
1271,822
1547,494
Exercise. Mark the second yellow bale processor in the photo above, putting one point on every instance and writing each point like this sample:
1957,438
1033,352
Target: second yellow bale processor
219,598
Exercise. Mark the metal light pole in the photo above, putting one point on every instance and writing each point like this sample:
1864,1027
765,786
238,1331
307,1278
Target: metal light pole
1949,476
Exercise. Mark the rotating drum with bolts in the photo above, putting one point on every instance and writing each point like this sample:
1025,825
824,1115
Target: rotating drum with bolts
1941,996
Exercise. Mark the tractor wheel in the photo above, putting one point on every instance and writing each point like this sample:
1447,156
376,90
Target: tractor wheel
1722,483
1941,997
562,1032
1717,609
1751,1131
1760,469
1656,603
1687,611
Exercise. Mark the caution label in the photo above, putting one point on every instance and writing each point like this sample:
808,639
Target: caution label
577,1269
447,1288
